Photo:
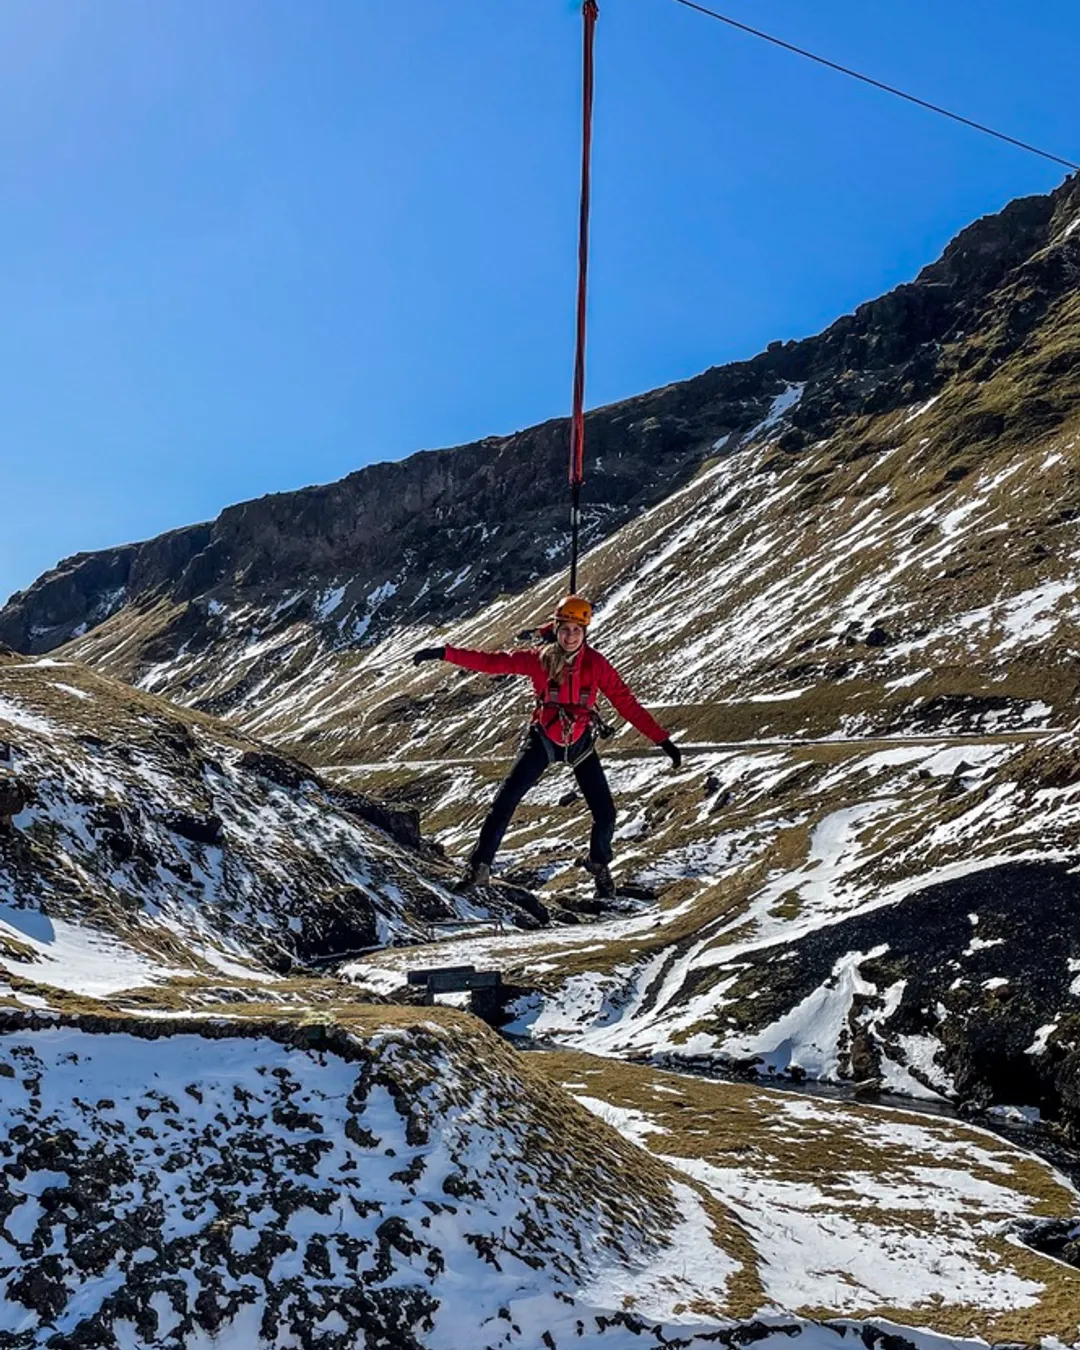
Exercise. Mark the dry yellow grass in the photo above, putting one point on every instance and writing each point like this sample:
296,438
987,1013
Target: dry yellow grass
746,1128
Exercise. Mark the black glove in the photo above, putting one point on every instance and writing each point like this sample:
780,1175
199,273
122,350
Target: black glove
543,634
429,654
672,751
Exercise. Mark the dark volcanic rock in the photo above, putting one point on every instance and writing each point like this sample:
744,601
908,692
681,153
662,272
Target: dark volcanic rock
400,822
199,829
283,770
983,989
14,797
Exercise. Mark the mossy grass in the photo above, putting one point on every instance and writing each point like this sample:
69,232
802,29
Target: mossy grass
750,1131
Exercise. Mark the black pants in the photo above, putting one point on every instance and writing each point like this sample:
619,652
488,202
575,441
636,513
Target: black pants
538,752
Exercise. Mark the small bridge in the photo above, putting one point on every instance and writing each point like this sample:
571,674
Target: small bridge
482,985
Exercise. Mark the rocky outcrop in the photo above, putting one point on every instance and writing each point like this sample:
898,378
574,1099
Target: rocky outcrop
400,822
180,846
315,1185
968,986
86,589
14,797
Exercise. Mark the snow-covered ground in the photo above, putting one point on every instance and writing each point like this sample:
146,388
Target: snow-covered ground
233,1184
843,1239
194,1187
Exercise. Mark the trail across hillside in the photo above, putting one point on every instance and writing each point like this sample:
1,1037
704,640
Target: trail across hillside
1018,737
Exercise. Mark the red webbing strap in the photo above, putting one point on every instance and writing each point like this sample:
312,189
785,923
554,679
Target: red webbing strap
589,13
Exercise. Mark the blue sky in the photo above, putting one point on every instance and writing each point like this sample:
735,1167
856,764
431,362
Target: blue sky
255,244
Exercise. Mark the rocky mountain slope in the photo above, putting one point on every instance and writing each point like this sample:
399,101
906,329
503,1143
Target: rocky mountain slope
855,479
900,915
845,575
147,842
399,1186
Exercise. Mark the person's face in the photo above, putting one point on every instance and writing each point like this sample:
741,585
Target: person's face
569,636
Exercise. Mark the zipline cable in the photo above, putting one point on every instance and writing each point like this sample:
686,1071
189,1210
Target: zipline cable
877,84
589,13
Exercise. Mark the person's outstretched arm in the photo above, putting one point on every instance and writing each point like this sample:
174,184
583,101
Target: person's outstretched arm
618,692
488,663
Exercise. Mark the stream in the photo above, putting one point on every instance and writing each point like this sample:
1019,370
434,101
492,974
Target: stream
1036,1138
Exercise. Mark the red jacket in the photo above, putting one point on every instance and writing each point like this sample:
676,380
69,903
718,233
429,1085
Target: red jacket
588,674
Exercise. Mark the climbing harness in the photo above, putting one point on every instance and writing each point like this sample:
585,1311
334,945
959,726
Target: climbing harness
568,712
560,754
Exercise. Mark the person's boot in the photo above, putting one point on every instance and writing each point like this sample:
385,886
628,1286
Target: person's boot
475,874
603,881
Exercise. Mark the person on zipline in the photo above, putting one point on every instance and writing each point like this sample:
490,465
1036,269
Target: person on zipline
567,676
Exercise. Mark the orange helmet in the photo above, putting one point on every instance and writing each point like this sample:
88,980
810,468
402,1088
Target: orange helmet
574,609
